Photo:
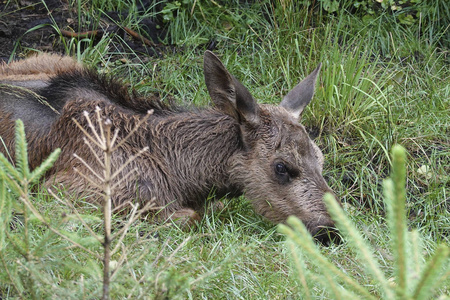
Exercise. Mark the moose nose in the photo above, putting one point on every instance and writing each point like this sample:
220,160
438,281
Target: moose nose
327,235
325,231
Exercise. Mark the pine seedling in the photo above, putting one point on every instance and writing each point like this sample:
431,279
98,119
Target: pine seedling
101,137
19,180
412,279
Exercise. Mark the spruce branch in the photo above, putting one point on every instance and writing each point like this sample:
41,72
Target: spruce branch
357,242
298,261
418,284
397,221
301,237
38,172
430,274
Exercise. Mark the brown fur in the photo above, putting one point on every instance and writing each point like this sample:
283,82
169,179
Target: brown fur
236,147
38,67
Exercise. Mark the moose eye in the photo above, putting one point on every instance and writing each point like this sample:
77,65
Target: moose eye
281,169
285,173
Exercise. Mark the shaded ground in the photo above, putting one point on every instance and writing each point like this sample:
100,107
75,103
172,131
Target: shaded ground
26,25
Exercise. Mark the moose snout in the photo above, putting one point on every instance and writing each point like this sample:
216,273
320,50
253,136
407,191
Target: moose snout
326,234
325,230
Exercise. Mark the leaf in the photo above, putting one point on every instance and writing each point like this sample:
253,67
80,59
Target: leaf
330,5
425,171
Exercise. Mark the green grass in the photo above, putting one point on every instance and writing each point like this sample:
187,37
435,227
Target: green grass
381,83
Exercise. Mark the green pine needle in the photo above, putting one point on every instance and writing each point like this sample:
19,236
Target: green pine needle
352,235
45,165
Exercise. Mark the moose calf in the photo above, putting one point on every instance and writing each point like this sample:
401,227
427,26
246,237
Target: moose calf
235,147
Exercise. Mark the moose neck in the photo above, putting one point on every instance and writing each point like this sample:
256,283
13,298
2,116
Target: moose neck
197,146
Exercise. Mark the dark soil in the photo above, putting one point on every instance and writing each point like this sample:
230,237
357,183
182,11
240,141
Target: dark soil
32,26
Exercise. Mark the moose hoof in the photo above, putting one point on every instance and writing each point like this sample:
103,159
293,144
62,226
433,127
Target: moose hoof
186,218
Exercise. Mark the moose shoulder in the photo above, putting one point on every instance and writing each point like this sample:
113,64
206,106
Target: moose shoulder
235,147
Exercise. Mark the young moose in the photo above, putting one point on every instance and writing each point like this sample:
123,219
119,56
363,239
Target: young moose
235,147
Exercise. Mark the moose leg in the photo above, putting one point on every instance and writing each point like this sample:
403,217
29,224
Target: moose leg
185,218
73,186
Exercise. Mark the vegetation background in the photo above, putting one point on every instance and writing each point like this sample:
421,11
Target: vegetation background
384,80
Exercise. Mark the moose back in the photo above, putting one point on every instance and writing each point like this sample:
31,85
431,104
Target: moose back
235,147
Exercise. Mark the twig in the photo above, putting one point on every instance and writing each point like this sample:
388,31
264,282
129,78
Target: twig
139,37
87,134
123,178
133,218
108,124
166,242
70,204
141,121
130,160
87,178
87,166
122,258
84,34
125,229
100,136
11,278
106,205
94,153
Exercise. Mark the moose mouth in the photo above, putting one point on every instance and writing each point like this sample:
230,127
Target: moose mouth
327,235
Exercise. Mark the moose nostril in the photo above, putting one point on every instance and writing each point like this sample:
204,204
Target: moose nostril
327,236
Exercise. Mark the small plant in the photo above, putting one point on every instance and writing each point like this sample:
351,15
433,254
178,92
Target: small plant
411,278
19,180
22,252
103,139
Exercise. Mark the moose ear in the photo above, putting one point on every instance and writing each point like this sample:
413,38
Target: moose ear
300,96
227,93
